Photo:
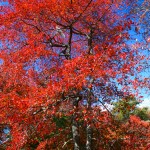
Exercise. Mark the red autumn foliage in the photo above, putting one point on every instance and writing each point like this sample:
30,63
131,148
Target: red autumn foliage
62,60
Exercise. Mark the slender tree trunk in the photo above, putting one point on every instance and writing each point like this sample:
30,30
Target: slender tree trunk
75,133
90,47
88,127
75,127
89,137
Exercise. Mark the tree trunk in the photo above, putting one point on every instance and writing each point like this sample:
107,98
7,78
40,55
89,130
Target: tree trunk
75,127
89,137
75,132
88,126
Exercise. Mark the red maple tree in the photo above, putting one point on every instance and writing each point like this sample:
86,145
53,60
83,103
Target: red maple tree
60,61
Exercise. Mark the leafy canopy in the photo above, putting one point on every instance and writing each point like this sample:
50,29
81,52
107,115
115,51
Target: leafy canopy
61,61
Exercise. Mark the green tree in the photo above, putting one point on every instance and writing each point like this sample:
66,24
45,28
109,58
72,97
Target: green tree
143,113
124,108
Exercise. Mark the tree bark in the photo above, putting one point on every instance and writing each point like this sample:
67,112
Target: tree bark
75,133
90,47
88,126
89,137
75,127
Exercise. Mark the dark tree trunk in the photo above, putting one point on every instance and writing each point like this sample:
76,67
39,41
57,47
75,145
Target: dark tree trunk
89,137
75,126
88,126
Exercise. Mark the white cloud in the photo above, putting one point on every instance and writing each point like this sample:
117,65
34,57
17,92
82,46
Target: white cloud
146,102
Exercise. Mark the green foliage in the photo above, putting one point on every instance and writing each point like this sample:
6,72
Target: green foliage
60,121
128,106
124,108
143,113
